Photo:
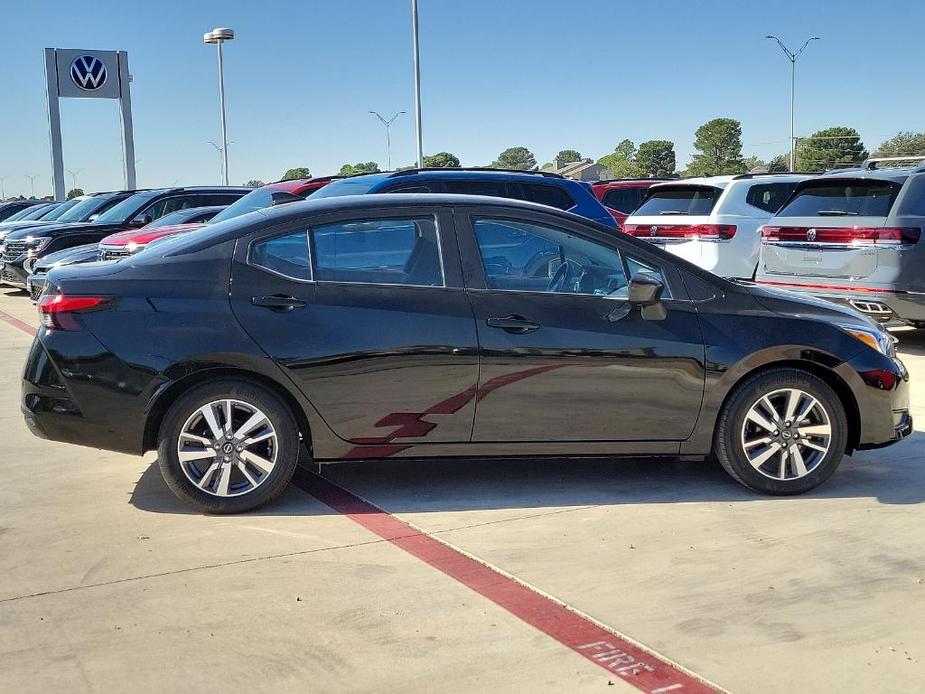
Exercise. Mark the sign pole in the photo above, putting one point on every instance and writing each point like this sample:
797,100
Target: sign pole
54,124
125,107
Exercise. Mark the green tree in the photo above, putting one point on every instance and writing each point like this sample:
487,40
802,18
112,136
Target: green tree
441,160
719,142
779,164
656,157
297,172
902,144
621,162
256,182
363,167
515,158
829,148
74,192
567,156
755,164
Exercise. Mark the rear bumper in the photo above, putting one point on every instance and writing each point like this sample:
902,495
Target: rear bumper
880,304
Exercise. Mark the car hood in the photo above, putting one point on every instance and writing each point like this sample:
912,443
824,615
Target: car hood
145,236
68,256
789,303
53,230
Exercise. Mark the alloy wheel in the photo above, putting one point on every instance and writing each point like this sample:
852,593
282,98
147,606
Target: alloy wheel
786,434
227,448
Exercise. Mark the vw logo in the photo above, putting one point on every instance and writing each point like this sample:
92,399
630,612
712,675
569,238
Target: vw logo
811,235
88,72
653,231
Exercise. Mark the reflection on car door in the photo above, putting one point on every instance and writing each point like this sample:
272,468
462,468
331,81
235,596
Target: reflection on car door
370,320
563,355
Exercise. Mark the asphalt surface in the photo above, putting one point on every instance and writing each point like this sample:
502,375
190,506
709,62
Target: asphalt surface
108,582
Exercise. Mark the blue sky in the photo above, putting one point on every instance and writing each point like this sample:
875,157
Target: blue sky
546,74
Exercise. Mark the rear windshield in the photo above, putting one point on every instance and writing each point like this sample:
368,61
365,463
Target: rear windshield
842,199
346,186
692,200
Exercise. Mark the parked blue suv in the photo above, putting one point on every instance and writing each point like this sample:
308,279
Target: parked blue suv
535,186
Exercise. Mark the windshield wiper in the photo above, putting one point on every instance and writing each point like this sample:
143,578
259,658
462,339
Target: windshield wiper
836,213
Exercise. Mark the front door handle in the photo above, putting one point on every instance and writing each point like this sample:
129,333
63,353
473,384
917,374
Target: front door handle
278,302
513,324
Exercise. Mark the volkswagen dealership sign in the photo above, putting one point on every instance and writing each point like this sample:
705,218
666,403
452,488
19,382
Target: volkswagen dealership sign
88,72
84,74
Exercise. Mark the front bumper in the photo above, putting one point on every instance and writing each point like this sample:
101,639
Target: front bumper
12,273
35,285
880,385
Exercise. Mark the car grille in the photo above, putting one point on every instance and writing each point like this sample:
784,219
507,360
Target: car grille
36,289
13,249
113,253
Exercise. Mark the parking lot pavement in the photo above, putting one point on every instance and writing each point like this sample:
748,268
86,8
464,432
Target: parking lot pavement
108,579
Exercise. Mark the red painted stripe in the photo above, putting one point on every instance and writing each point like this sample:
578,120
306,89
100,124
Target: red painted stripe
636,665
16,323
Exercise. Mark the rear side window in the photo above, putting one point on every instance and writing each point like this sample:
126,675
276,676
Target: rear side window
285,255
548,195
381,251
689,200
843,199
624,200
496,188
769,197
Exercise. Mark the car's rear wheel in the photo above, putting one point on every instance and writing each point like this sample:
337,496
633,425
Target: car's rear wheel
228,447
782,432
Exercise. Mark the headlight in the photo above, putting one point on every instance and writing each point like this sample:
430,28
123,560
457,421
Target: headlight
875,337
36,244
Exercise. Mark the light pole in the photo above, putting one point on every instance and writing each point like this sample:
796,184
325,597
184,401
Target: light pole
218,36
417,81
792,57
32,181
387,122
2,189
224,161
74,176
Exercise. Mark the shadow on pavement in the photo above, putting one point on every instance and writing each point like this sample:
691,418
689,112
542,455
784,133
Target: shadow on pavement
894,475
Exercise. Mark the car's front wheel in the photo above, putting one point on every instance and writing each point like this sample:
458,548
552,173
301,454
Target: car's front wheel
783,431
228,447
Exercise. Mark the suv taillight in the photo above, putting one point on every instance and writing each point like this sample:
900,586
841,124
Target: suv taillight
57,309
709,232
849,236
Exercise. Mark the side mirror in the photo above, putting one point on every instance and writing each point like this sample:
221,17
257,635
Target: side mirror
646,292
141,220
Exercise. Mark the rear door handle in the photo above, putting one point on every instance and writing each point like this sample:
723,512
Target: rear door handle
513,324
279,303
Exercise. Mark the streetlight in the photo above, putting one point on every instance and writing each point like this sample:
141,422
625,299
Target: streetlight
32,181
793,70
74,176
387,122
218,36
221,152
417,81
2,189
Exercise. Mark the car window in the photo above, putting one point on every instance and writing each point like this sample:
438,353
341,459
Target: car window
769,197
525,256
463,187
848,198
409,188
9,212
380,251
36,212
287,255
217,199
637,267
552,196
690,200
624,200
58,211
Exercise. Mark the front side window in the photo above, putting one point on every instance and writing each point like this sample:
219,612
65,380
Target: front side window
769,197
548,195
682,200
475,187
525,256
380,251
285,255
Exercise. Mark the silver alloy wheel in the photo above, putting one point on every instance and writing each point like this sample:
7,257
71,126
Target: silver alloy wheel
227,448
786,434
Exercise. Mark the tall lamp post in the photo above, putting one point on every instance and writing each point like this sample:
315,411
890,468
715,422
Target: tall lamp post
221,151
32,178
387,122
218,36
417,82
74,176
2,189
792,57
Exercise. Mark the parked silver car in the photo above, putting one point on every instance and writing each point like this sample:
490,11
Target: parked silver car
853,236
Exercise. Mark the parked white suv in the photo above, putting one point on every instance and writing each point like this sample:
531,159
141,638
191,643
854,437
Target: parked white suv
713,222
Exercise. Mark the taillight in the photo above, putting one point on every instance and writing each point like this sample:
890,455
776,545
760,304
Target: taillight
708,232
57,309
848,236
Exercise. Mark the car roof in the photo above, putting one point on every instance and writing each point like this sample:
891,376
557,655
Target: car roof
726,179
896,175
471,173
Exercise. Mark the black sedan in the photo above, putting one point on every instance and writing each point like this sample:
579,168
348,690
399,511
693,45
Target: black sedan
366,327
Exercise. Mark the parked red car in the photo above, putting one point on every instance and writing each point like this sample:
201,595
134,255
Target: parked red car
622,195
132,241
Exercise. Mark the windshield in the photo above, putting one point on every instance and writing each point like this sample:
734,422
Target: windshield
846,198
255,200
681,200
89,207
60,210
346,186
127,209
36,212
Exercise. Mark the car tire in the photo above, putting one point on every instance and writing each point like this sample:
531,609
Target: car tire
228,473
763,458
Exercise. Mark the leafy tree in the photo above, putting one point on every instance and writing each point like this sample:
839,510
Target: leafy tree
359,168
828,148
515,158
441,160
779,164
903,143
256,182
656,157
567,156
755,164
297,172
74,192
719,142
622,161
